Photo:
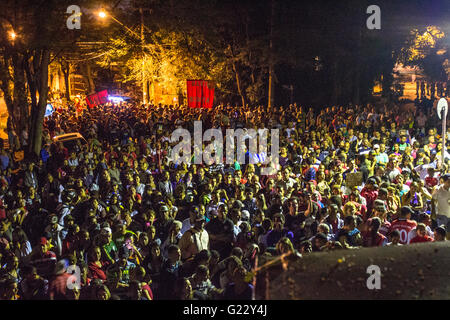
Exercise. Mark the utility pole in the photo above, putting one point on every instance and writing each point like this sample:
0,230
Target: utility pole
144,84
271,98
442,110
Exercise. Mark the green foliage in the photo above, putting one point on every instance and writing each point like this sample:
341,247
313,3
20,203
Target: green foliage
427,50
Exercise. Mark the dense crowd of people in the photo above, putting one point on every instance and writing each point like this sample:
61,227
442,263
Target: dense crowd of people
134,225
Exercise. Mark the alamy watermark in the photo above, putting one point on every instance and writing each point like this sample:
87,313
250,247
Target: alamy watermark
374,21
74,280
374,280
74,20
213,153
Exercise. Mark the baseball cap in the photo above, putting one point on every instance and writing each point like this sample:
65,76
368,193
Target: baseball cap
380,206
245,215
43,241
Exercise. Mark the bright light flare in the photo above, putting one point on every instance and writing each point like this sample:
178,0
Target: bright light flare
115,99
102,14
12,35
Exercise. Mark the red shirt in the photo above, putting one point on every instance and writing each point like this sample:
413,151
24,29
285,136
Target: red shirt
369,240
370,195
95,272
404,226
58,287
149,290
419,239
430,182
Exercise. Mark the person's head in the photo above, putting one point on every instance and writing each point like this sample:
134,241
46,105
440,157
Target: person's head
102,293
94,254
12,262
203,257
439,234
222,212
349,222
293,206
278,221
151,230
175,227
421,229
395,236
199,221
446,180
174,253
406,212
284,246
323,228
333,210
374,224
155,250
202,273
320,240
379,209
238,252
232,262
43,245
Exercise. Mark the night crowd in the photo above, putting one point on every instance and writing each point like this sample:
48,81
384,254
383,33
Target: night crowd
115,218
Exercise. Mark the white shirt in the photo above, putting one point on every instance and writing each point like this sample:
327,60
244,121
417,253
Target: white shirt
186,225
442,198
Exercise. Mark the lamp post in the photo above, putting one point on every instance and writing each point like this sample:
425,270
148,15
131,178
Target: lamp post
442,109
103,14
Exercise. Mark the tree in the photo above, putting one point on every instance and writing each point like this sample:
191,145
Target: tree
427,50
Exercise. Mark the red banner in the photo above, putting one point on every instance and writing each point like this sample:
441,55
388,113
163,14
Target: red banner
200,93
96,99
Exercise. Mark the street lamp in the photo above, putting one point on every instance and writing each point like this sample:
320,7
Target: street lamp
102,14
12,35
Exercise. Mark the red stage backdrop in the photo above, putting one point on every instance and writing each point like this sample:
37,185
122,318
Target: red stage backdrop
96,99
200,93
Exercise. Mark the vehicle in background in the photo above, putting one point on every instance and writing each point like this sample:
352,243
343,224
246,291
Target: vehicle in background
70,140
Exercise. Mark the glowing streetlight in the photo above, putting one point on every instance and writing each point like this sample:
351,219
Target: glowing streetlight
102,14
12,35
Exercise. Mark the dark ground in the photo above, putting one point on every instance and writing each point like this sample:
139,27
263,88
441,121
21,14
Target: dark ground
419,271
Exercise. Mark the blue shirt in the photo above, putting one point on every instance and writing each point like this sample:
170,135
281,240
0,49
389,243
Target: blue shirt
5,162
44,155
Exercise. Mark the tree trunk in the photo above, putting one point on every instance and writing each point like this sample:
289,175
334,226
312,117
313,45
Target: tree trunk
238,83
88,77
38,114
67,85
20,93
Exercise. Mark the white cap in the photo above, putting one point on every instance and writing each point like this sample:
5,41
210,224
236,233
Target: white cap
245,215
